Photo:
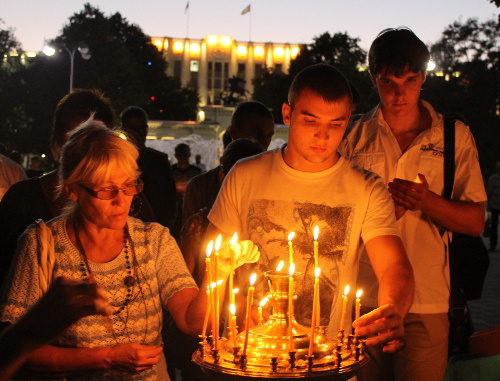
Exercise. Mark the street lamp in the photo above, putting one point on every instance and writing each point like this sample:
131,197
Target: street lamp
81,47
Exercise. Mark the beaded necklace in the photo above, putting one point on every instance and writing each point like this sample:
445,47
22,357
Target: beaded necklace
129,280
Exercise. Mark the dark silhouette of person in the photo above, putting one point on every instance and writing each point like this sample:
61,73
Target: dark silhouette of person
156,173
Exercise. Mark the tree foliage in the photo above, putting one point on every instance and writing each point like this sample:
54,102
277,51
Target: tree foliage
124,64
339,50
468,57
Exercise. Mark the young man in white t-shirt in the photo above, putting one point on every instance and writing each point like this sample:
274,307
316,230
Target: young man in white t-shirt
306,184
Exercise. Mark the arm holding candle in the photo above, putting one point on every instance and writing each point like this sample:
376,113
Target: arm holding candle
384,325
460,216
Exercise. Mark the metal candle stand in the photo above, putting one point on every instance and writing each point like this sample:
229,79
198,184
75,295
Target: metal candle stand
268,351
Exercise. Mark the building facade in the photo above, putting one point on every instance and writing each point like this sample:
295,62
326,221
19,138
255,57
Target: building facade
212,63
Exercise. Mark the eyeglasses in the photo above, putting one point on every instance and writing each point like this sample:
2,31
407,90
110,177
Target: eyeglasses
130,189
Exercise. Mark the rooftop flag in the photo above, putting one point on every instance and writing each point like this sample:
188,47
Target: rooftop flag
187,7
246,10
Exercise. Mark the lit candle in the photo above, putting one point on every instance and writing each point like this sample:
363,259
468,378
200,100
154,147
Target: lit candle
251,290
417,180
210,294
207,314
232,252
217,246
291,271
315,245
358,303
344,307
314,317
290,246
280,266
232,323
262,303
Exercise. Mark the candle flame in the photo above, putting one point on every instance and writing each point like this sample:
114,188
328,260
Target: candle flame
219,282
234,239
213,285
316,232
291,269
417,180
317,271
218,242
359,293
253,278
291,236
347,289
232,309
210,247
263,302
280,265
236,290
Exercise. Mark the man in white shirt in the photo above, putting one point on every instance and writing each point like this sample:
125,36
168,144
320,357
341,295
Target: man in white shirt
305,184
402,141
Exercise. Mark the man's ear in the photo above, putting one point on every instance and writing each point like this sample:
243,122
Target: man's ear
286,111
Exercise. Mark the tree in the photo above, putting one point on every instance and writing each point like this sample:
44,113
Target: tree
13,115
468,56
339,50
124,64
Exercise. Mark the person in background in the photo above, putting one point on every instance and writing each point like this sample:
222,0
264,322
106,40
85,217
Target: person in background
156,173
10,172
137,263
493,191
179,347
199,164
17,157
37,198
182,172
304,184
402,141
34,169
250,120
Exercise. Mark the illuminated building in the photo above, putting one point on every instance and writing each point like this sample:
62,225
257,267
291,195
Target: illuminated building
209,63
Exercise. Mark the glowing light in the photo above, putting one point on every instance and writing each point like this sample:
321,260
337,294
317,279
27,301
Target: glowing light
178,47
212,40
194,49
295,51
258,52
279,52
280,266
225,41
241,51
431,65
158,43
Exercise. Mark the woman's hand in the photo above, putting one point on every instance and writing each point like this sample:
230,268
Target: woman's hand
133,357
243,252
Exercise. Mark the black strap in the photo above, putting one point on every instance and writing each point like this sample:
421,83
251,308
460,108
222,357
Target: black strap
449,156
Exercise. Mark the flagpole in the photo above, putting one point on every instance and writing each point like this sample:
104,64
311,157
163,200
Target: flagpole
187,10
250,24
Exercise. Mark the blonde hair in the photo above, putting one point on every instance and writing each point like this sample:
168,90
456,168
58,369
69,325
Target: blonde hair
92,153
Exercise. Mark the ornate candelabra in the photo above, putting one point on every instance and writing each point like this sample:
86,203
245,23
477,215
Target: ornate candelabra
269,351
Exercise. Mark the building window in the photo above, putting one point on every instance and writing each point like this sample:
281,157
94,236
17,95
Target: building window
241,70
278,68
177,69
259,70
194,66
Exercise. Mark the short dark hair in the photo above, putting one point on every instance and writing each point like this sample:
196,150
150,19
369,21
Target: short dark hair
134,121
182,149
238,149
322,79
396,50
74,109
248,109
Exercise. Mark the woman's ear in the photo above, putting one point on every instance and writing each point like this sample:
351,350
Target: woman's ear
70,193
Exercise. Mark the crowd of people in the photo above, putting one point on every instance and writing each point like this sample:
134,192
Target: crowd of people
100,259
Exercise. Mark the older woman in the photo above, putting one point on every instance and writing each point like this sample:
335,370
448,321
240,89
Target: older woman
137,263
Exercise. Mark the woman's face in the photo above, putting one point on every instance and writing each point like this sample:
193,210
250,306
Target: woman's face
104,214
